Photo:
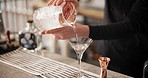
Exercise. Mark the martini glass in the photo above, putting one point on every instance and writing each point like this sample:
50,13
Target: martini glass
80,44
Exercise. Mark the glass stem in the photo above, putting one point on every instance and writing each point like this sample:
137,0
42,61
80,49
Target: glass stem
80,67
103,73
79,63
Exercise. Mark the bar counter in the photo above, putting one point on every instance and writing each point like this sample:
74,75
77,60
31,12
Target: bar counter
7,71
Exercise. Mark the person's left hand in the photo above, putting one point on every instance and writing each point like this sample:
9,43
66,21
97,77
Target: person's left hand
67,32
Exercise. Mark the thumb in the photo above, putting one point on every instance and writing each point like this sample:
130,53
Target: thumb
50,2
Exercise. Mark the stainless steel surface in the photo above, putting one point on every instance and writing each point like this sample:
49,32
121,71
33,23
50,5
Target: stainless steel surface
7,71
38,65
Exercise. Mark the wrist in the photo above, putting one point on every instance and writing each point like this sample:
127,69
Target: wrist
83,31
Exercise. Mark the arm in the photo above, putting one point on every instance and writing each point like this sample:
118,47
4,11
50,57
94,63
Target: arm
136,22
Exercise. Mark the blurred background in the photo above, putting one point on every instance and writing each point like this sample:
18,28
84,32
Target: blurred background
14,16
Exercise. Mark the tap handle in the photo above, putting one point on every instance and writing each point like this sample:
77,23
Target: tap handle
8,37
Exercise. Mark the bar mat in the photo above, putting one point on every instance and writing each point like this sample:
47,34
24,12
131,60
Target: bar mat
41,66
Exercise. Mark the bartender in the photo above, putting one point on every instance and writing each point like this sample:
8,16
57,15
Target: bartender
125,33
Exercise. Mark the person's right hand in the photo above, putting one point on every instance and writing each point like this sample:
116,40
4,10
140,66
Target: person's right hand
69,8
59,2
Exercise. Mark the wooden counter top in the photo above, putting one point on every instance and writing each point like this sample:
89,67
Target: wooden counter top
92,13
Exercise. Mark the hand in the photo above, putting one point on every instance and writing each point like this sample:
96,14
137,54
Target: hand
67,32
59,2
68,9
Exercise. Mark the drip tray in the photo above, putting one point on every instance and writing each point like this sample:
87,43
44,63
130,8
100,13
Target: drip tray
41,66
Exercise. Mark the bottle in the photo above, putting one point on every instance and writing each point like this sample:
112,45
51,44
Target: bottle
38,40
27,37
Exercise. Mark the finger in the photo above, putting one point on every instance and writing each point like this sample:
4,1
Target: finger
42,32
57,30
53,31
66,10
50,2
61,19
59,2
55,2
59,37
72,13
74,8
72,18
69,0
